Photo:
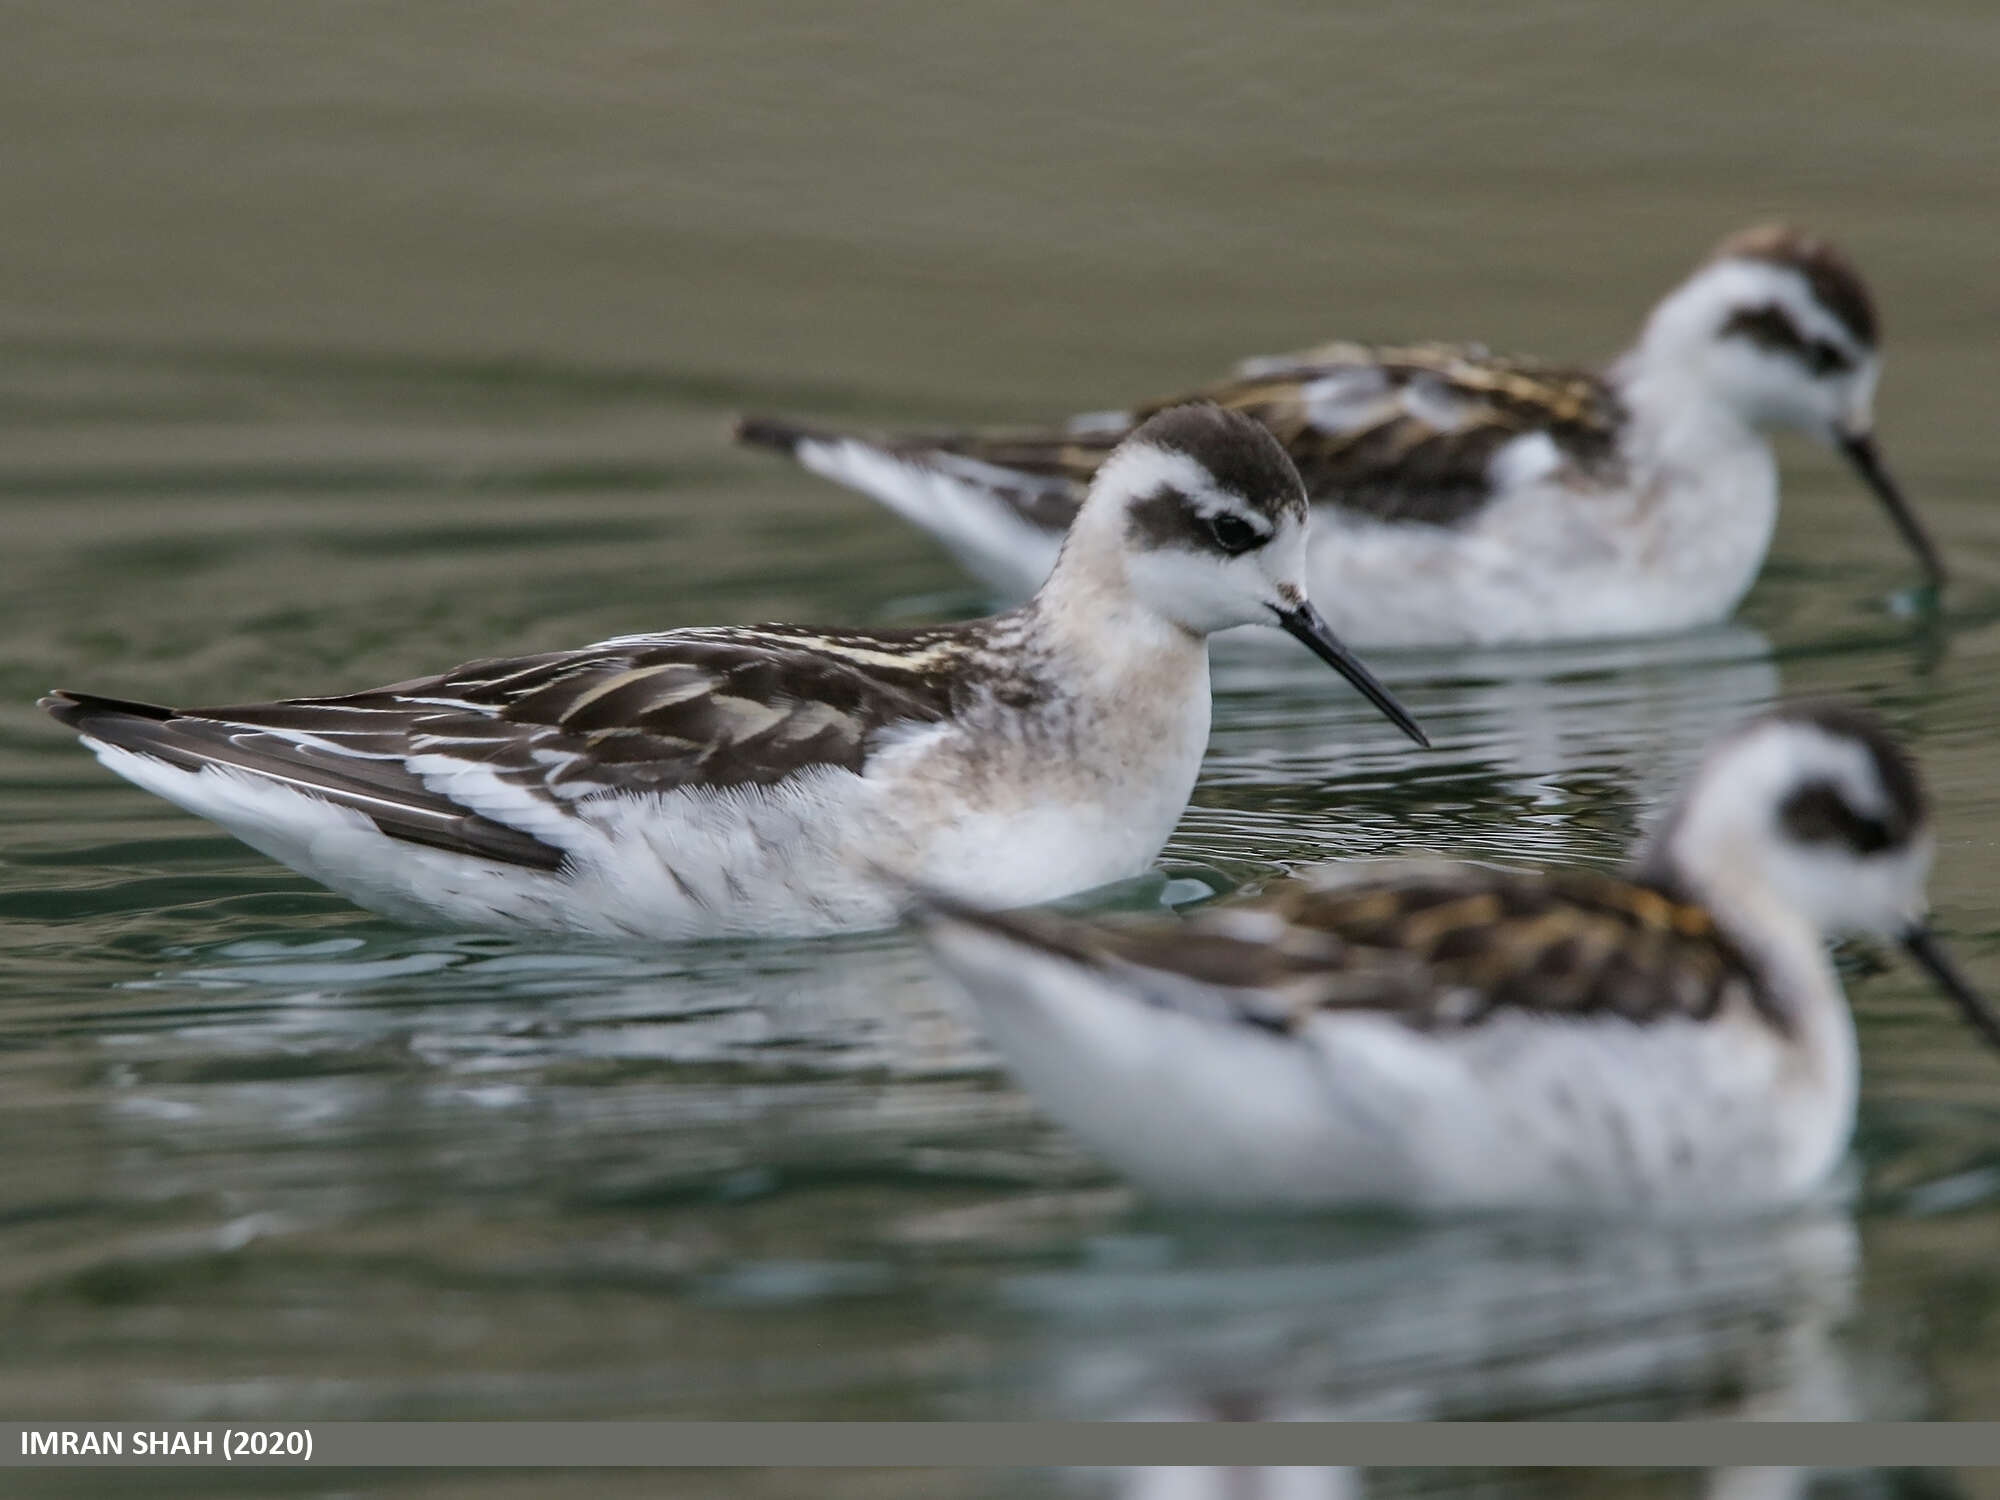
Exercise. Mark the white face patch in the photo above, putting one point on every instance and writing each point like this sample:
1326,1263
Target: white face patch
1205,590
1881,895
1690,338
1730,828
1202,543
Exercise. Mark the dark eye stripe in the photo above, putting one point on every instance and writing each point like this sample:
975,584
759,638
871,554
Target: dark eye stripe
1168,518
1817,813
1771,327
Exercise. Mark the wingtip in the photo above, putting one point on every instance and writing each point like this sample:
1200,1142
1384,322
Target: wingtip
919,905
774,433
925,907
76,709
937,915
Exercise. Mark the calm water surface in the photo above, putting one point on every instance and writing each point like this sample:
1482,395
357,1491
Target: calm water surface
332,357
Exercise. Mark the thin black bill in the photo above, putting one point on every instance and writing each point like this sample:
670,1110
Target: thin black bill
1305,624
1923,946
1867,460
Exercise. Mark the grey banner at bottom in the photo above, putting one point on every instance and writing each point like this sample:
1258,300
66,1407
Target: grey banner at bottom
997,1444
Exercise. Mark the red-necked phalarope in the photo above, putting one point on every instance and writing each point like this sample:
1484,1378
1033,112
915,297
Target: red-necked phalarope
1449,1036
711,782
1464,499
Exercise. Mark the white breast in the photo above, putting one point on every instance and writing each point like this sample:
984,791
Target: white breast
1522,1111
1075,797
1556,557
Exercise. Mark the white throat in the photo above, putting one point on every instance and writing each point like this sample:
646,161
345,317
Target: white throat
1666,378
1089,608
1110,640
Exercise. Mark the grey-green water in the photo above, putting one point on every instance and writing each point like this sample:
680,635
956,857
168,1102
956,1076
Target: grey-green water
339,343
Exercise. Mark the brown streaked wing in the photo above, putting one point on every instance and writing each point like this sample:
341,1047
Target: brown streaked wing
1449,947
717,709
1402,433
341,760
1409,433
721,709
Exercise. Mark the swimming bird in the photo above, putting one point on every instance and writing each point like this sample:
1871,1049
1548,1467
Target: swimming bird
1465,499
779,780
1441,1036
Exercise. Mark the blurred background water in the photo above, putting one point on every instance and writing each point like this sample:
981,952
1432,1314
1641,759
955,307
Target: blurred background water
339,343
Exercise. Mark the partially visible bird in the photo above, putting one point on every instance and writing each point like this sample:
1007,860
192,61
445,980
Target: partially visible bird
1440,1036
1461,498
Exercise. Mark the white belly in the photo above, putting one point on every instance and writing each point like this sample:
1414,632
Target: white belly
1013,823
1551,563
1520,1112
826,851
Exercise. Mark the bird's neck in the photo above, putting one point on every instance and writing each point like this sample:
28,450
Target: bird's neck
1665,378
1674,410
1104,635
1712,862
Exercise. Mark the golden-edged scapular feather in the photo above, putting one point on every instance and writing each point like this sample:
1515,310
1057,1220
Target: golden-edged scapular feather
1435,946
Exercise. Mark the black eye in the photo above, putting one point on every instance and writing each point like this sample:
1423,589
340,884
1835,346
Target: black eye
1825,358
1233,534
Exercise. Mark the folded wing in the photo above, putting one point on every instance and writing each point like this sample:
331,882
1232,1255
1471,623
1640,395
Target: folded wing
1438,947
483,760
1423,434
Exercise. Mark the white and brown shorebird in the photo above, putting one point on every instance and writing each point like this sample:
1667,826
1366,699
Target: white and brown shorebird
1440,1036
1461,498
777,780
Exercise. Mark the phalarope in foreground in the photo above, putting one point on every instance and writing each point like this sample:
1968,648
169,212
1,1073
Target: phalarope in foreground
712,782
1451,1036
1465,499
